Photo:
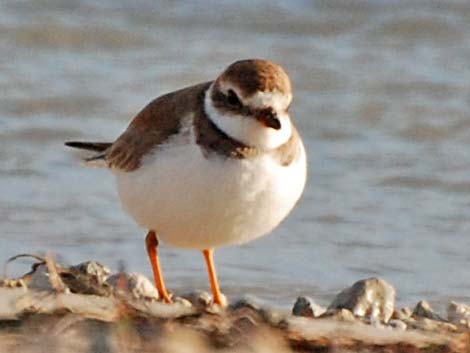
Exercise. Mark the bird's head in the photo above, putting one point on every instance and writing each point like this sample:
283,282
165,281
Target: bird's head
249,101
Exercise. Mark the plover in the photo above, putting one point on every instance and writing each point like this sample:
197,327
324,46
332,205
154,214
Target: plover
214,164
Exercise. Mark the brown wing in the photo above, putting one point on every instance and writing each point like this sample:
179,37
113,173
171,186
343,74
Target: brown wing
159,120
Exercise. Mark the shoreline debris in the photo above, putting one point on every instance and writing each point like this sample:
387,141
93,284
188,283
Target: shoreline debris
90,303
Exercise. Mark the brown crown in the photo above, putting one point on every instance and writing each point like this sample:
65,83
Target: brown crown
255,75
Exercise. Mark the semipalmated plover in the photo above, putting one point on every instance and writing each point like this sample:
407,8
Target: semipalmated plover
218,163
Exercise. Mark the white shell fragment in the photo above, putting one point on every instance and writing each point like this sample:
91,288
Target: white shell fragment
133,283
371,298
459,314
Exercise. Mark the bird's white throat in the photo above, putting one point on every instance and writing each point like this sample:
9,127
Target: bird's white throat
248,130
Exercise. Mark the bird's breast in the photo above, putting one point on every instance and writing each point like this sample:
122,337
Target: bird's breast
197,201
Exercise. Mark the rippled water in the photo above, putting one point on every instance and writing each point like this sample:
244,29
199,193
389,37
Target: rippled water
382,98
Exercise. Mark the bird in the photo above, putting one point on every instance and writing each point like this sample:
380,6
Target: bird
214,164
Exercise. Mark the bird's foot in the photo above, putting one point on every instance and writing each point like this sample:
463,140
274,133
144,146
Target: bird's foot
165,296
221,300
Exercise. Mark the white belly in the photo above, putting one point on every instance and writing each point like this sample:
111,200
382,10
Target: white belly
198,203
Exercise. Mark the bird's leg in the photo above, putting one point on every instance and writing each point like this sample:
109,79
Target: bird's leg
219,298
151,243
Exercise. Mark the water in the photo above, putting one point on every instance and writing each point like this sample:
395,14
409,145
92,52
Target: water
382,99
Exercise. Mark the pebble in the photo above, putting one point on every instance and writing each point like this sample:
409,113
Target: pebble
402,313
426,324
372,299
423,309
306,307
458,313
87,278
249,304
183,302
13,283
246,302
398,324
198,298
93,269
272,317
134,283
343,315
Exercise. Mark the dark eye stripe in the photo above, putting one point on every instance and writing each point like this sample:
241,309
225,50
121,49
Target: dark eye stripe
221,102
233,99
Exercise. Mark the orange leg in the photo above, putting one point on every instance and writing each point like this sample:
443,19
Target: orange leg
219,298
151,243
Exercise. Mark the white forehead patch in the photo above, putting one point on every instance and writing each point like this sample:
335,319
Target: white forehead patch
279,101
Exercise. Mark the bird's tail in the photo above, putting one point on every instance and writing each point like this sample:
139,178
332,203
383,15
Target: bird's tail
100,147
90,146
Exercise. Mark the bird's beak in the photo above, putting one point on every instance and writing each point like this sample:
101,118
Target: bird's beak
269,119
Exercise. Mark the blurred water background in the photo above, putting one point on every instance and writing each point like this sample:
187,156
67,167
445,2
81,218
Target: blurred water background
382,99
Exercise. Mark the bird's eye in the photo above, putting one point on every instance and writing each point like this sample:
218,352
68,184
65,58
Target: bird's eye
233,99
